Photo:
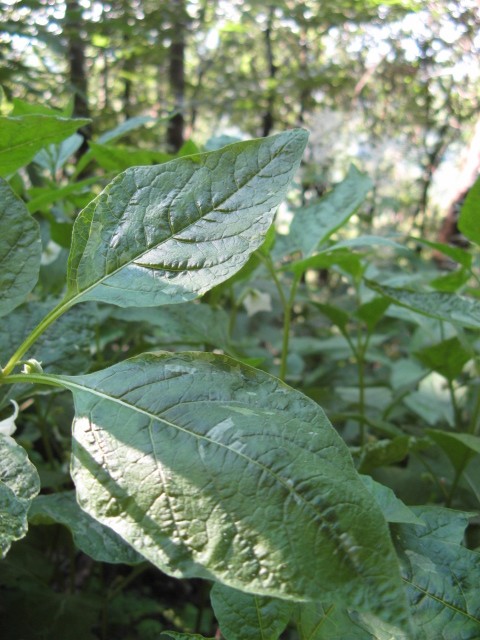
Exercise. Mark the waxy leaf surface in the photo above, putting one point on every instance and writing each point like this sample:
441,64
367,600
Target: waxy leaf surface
22,137
441,575
20,250
258,617
168,233
210,468
19,484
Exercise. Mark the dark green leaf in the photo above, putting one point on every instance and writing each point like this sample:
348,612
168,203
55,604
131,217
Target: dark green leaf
469,221
117,157
441,575
249,616
372,312
209,468
393,509
447,358
21,138
317,621
20,250
19,484
444,306
99,542
459,447
168,233
184,636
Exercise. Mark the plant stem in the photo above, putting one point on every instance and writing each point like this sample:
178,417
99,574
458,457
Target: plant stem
55,313
287,305
287,317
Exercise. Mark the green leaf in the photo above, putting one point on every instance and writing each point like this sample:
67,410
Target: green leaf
64,347
447,357
381,453
99,542
459,447
47,195
469,221
317,621
119,157
211,469
372,312
19,484
166,234
125,127
254,617
393,509
21,138
20,250
184,636
337,316
441,575
455,253
444,306
189,324
314,224
346,260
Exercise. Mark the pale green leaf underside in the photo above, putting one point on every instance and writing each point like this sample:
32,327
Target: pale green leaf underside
91,537
441,575
19,484
444,306
210,468
168,233
249,616
22,137
20,250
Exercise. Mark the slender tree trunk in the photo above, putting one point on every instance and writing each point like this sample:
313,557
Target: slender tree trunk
77,67
176,73
268,119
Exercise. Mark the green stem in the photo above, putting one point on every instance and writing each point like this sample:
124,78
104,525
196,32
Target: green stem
287,305
55,313
287,318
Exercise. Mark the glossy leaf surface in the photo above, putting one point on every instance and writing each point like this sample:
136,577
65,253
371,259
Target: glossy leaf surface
99,542
22,137
19,484
20,250
210,468
444,306
441,575
249,616
168,233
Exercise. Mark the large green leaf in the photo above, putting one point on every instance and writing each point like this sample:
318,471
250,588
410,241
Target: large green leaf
91,537
469,221
249,616
444,306
20,250
314,224
317,621
19,484
441,575
22,137
210,468
168,233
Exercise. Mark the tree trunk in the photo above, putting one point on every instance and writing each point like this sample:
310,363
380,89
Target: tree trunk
175,130
77,68
268,117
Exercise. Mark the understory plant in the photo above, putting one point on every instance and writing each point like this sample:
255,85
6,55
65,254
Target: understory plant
204,463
